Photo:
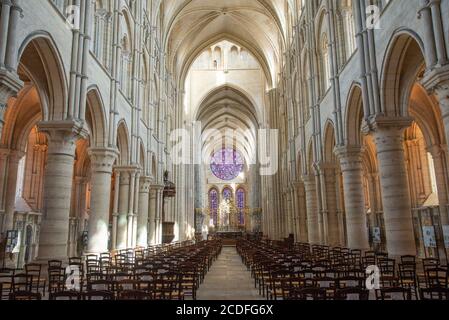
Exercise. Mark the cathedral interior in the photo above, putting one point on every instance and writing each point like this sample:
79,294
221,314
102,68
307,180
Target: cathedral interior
152,144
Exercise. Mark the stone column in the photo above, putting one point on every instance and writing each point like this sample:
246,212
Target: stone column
12,47
11,186
437,81
152,216
136,196
4,153
312,209
4,26
330,187
115,210
78,213
439,156
142,220
389,140
158,218
289,219
62,137
132,186
295,209
302,212
123,207
102,161
351,167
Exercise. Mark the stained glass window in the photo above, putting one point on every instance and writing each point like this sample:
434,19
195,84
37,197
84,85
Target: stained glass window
213,205
227,193
227,164
241,204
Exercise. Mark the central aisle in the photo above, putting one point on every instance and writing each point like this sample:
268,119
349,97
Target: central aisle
228,279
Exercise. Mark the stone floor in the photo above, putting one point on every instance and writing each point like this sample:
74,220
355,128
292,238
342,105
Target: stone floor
228,279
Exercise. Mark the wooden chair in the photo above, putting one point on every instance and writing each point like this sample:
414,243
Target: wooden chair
308,294
35,270
189,281
437,277
327,283
6,283
278,278
408,260
346,282
135,295
434,294
65,295
56,280
352,293
101,285
54,264
396,293
22,282
25,295
98,295
408,278
75,260
387,272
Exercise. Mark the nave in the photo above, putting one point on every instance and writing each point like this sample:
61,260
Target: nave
228,279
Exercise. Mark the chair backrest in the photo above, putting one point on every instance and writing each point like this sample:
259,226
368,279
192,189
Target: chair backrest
33,268
350,282
309,294
54,264
430,263
25,295
126,285
395,294
101,285
434,294
22,282
75,260
352,294
98,295
408,259
387,266
134,295
65,295
437,277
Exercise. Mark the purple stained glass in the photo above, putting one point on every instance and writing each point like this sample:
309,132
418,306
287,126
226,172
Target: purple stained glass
240,194
213,205
227,164
227,194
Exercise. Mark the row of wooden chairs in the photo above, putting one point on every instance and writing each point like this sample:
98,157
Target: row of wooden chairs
281,271
163,273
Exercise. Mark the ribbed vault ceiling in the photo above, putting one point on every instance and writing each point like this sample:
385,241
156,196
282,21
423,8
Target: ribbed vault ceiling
255,24
231,114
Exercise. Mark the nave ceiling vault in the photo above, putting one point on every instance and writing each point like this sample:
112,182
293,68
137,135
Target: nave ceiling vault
256,24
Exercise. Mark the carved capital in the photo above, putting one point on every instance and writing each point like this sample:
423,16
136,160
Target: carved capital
381,122
350,157
102,159
436,80
62,136
10,85
145,184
